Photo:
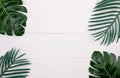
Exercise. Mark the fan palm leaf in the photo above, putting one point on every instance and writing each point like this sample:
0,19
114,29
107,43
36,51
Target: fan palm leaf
12,19
12,65
104,65
105,21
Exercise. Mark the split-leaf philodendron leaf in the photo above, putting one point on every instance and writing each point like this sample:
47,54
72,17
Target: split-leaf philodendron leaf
13,65
105,21
105,65
12,19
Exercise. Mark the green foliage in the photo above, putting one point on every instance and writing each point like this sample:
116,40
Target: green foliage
104,65
12,19
105,21
12,65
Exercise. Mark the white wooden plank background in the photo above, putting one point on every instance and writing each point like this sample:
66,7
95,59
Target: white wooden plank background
57,41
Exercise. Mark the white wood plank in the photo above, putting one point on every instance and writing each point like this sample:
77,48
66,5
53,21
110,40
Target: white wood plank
55,45
59,68
58,16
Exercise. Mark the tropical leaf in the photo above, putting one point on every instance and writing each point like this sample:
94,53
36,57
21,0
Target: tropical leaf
12,17
104,65
105,21
12,65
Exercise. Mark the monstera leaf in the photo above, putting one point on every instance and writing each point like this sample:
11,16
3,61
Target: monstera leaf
12,65
12,19
105,21
104,65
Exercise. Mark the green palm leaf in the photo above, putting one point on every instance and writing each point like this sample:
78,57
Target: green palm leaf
104,65
105,21
12,65
12,19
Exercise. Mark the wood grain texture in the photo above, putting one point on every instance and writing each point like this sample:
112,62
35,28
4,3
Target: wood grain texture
57,40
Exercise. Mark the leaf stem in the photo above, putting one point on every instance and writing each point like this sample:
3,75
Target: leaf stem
107,72
2,73
112,22
12,21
